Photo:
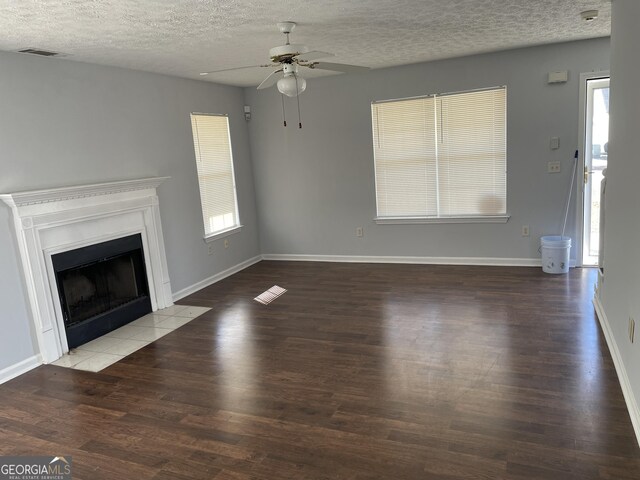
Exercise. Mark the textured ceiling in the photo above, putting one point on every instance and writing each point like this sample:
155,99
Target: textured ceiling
185,37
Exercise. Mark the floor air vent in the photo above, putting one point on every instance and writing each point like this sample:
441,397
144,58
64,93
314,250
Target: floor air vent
38,51
270,295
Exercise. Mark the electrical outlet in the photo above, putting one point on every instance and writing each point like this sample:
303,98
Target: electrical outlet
359,232
525,230
210,249
553,167
226,243
632,329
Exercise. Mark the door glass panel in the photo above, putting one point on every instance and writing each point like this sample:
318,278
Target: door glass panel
596,153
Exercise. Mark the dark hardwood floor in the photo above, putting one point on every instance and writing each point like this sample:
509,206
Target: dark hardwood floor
358,372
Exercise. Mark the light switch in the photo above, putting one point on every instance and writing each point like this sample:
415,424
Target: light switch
554,143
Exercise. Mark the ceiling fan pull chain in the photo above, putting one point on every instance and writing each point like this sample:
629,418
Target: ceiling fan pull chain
284,117
298,98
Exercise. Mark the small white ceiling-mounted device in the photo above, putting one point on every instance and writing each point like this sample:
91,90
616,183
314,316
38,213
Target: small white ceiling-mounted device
288,58
589,15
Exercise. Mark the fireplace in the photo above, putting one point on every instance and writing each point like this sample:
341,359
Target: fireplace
101,287
60,234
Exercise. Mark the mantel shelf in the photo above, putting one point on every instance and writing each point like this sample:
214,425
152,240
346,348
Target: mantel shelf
49,195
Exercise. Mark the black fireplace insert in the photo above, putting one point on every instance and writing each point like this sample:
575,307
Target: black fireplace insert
102,287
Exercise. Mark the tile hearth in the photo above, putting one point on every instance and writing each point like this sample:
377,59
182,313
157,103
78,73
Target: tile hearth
114,346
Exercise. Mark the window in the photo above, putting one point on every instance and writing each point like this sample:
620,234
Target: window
214,161
441,157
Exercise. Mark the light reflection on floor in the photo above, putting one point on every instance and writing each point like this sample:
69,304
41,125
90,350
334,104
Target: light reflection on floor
235,355
441,343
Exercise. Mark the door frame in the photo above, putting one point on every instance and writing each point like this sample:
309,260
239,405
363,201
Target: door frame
582,135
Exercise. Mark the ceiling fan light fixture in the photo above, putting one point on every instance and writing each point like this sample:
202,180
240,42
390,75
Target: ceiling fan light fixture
286,59
292,85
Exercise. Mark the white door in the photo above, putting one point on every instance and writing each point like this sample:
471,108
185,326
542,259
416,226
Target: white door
595,148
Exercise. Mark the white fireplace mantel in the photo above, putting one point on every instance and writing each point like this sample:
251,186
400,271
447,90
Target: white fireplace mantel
56,220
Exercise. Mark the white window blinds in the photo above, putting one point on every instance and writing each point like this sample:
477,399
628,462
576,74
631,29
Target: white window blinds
442,155
214,162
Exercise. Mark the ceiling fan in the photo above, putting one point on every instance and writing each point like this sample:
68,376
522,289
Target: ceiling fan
287,59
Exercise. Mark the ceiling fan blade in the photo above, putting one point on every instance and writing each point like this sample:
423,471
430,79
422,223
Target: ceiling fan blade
314,55
270,80
237,68
338,67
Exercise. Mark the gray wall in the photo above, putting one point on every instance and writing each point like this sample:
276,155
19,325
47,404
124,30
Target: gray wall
316,185
619,292
68,123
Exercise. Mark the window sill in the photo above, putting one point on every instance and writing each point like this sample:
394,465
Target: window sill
413,220
224,233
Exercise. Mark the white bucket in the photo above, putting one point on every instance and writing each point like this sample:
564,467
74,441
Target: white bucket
555,253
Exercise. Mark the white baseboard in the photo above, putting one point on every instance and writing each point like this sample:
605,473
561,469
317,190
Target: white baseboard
215,278
623,378
12,371
489,261
515,262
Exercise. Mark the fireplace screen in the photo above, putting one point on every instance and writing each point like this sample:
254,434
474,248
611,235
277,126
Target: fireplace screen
101,287
93,289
